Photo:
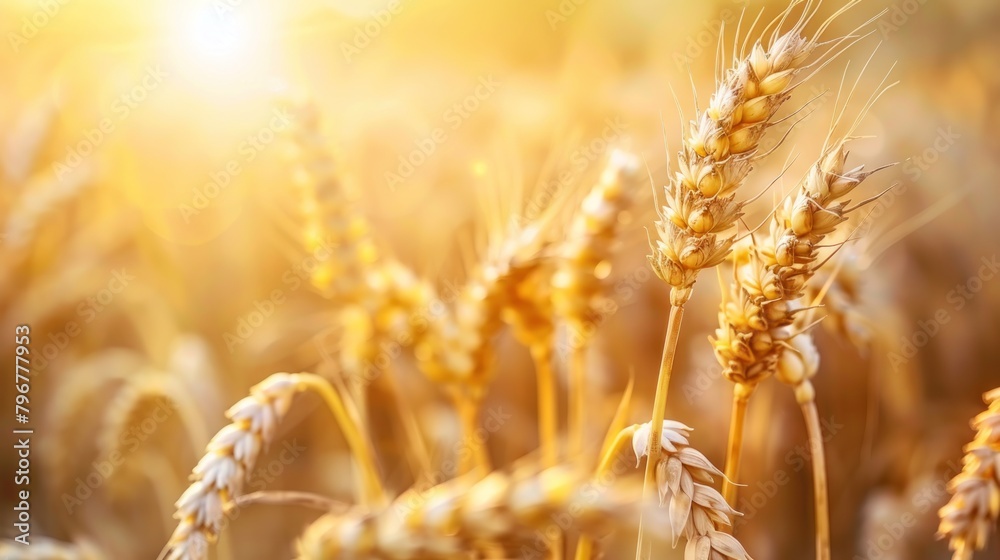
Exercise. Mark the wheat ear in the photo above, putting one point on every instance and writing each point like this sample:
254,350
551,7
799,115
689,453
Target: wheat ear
328,217
451,519
578,282
697,512
971,514
231,455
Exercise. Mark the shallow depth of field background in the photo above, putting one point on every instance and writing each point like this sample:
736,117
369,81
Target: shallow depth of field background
145,139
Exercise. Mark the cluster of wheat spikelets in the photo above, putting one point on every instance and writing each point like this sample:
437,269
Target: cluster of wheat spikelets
971,515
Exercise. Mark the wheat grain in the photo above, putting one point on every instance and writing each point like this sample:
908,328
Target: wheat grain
697,512
971,514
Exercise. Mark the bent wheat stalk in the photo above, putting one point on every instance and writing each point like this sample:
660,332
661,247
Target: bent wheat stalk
971,514
232,454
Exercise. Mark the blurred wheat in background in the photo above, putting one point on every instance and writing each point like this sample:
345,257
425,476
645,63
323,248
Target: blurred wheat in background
415,279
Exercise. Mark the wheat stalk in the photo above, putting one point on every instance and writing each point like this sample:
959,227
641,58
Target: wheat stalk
971,514
231,455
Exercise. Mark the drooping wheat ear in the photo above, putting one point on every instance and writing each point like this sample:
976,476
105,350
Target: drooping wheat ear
450,520
696,511
233,452
331,224
971,514
583,265
42,548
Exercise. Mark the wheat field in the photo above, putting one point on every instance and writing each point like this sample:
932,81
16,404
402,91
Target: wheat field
568,279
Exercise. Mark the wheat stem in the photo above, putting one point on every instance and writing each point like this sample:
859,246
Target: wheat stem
547,405
820,490
547,418
372,491
468,412
416,445
577,397
734,451
659,412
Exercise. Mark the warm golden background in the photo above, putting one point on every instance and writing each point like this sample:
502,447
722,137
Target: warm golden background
161,96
